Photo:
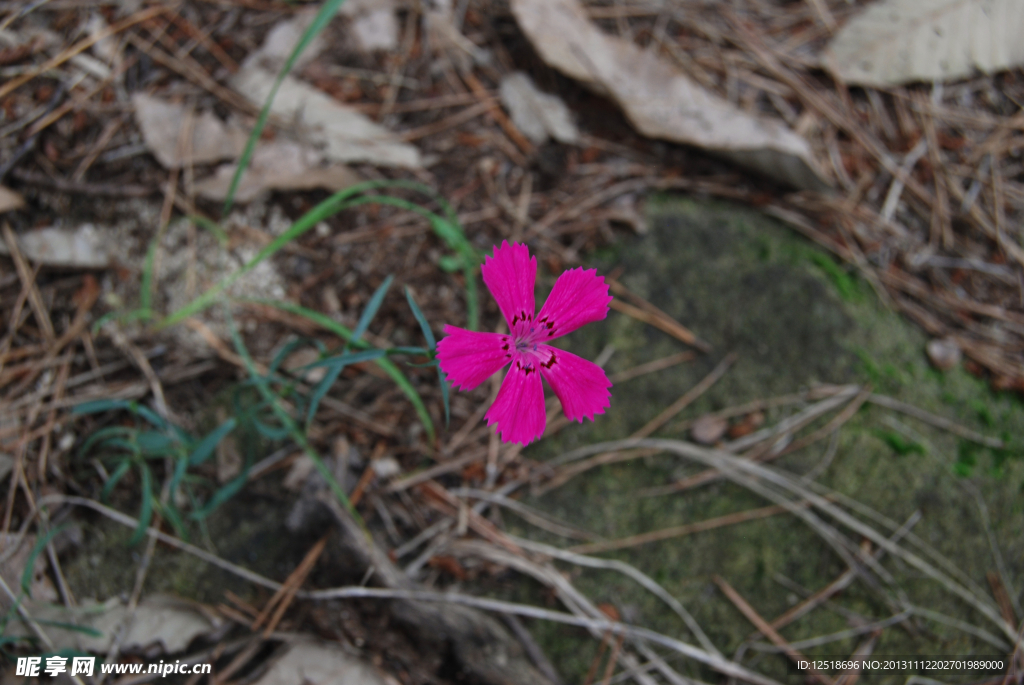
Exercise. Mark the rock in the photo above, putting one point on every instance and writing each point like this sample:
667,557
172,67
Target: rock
708,429
944,354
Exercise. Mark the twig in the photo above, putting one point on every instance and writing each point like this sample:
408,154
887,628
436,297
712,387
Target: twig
687,398
192,71
532,649
935,420
135,354
565,474
851,675
664,323
756,477
839,584
80,46
537,518
83,188
680,531
524,145
633,573
28,282
766,629
35,627
774,439
97,148
282,599
461,117
652,367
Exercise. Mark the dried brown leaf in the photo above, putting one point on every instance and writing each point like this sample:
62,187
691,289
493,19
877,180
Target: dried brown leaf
659,100
898,41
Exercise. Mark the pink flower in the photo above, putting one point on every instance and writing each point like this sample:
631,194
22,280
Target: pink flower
469,358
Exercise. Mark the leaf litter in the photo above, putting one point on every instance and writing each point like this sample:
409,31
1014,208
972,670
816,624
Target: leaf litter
741,81
659,100
899,41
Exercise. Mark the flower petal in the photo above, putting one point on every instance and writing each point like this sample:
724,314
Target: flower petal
579,297
519,407
469,358
581,386
510,276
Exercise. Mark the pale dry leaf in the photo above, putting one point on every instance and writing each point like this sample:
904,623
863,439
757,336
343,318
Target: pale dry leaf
343,134
659,100
374,26
356,8
10,200
899,41
298,473
13,568
160,621
161,122
537,114
444,37
82,247
105,48
386,467
283,38
377,30
943,353
278,165
314,662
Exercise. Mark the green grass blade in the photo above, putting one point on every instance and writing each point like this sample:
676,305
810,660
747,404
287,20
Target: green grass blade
130,446
133,315
212,226
349,197
415,351
115,477
443,380
146,294
325,209
410,393
222,495
30,563
386,365
146,510
206,446
335,365
323,17
84,630
103,434
290,347
420,319
322,320
153,442
321,389
269,432
345,359
170,513
371,309
99,406
297,435
148,414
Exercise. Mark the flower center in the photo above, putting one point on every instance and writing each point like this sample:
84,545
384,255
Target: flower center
526,330
524,342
